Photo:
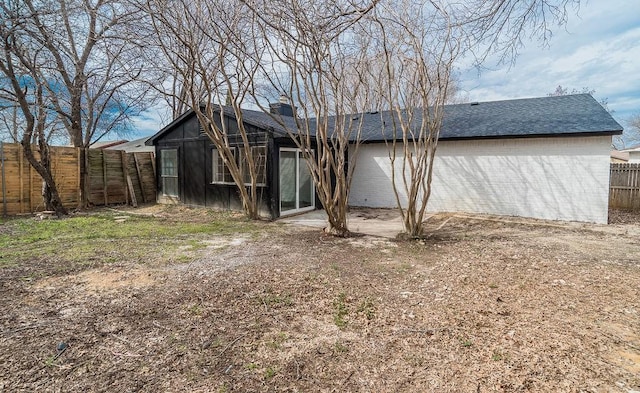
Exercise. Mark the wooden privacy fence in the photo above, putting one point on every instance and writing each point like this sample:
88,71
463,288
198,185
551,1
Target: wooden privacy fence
115,177
624,186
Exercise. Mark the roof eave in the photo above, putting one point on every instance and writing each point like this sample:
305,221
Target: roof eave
512,136
164,129
541,135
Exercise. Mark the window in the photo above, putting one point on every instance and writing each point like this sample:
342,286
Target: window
222,175
169,171
220,171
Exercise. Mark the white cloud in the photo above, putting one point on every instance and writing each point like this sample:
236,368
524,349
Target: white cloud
598,49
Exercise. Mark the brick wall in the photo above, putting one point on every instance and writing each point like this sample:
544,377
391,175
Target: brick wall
550,178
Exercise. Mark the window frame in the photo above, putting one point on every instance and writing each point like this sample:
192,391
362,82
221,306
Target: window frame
238,155
300,160
216,163
164,176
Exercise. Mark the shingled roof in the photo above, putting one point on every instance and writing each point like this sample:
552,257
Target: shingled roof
578,114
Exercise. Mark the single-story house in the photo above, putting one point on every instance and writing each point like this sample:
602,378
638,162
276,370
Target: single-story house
190,170
543,157
619,157
633,154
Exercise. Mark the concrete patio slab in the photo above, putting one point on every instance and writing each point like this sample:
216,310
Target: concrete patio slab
374,222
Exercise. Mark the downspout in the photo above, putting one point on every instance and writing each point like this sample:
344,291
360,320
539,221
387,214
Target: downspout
4,188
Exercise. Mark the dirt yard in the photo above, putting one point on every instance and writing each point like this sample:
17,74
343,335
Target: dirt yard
484,305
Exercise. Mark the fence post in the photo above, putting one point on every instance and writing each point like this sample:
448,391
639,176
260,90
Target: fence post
125,171
135,159
78,174
4,187
104,178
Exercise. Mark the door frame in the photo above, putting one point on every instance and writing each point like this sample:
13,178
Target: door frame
297,210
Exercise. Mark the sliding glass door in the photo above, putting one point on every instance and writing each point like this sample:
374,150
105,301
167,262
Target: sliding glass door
296,184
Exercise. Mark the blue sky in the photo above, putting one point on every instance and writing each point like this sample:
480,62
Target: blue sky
599,48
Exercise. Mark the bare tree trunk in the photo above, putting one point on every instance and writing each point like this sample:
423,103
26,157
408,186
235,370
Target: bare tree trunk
51,198
417,58
326,83
211,63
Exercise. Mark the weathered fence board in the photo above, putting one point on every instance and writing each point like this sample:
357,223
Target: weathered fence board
624,186
21,186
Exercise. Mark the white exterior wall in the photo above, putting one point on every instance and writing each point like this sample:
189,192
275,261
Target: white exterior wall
634,157
562,178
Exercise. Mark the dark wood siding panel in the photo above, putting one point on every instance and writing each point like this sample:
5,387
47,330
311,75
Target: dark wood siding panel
217,196
177,134
191,128
194,173
195,161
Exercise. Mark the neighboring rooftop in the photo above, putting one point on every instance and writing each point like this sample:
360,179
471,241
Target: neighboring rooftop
620,156
632,148
106,144
135,146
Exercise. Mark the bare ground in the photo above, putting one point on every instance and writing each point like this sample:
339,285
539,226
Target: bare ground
484,305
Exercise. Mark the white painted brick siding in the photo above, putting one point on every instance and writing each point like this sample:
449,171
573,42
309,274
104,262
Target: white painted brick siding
562,178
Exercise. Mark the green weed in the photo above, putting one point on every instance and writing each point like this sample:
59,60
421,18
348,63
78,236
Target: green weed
269,373
271,299
341,348
367,308
196,309
341,311
276,342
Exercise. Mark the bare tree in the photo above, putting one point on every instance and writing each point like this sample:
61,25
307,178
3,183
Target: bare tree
488,28
318,61
632,133
421,44
84,56
413,73
212,61
28,101
563,91
9,120
418,52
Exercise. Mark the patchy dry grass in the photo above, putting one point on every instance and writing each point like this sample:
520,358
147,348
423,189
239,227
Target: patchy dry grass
109,236
484,305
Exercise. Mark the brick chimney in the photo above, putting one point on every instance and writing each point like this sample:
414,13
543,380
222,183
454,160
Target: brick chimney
282,107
